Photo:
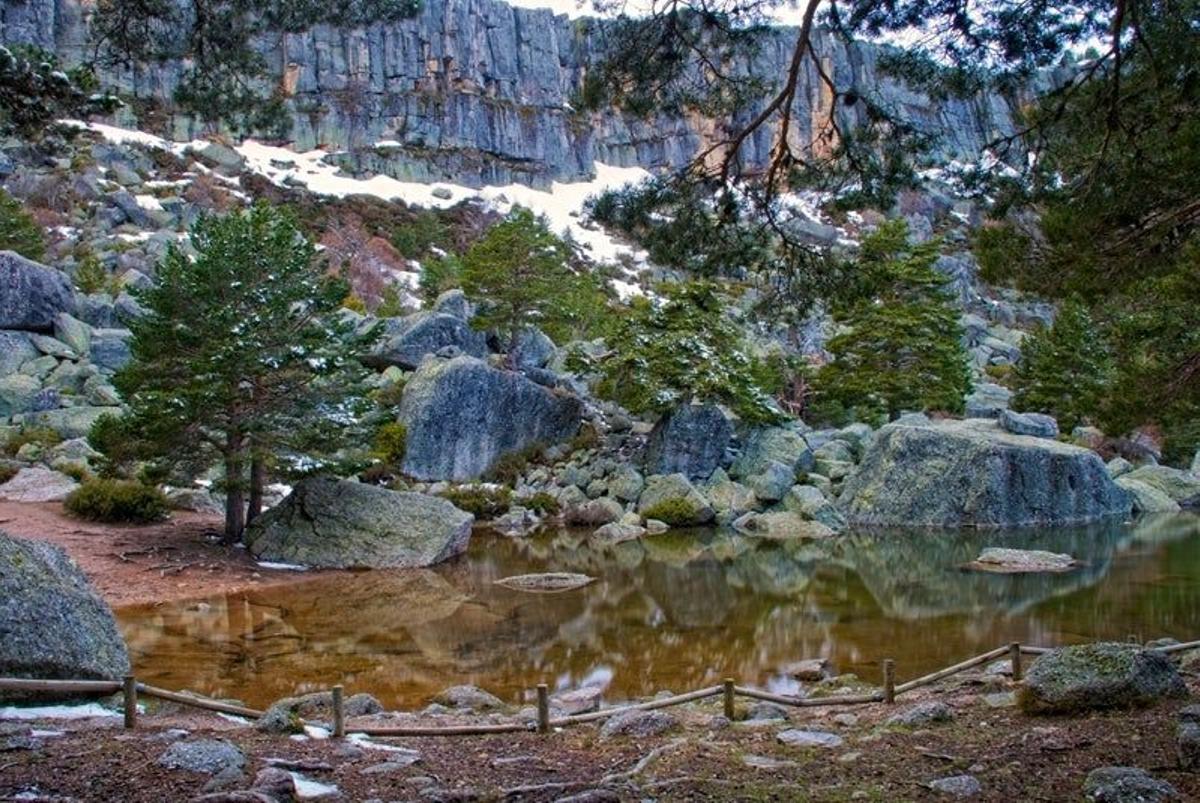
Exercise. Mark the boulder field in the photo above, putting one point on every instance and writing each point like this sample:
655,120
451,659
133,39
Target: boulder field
52,622
973,473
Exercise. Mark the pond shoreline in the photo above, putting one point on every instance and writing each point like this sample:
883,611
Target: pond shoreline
178,559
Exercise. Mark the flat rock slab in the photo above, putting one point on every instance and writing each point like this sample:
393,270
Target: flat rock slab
1019,561
802,738
37,484
547,583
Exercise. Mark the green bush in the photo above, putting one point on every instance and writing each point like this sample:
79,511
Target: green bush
110,435
415,239
42,436
18,231
508,468
676,512
76,471
484,503
391,442
1065,369
117,501
440,275
90,275
390,394
541,503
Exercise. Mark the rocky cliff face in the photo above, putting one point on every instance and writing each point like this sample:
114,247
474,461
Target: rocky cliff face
478,92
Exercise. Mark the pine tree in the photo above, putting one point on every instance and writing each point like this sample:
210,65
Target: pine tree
903,346
517,273
1065,368
682,349
18,231
243,357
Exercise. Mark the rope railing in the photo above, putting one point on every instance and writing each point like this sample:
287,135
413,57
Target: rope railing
728,690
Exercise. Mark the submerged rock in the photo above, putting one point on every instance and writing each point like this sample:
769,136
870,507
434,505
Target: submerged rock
342,524
52,623
462,416
974,474
546,582
1097,676
1015,561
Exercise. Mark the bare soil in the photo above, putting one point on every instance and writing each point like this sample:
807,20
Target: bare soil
180,558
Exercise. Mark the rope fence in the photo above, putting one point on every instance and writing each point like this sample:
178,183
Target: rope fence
729,691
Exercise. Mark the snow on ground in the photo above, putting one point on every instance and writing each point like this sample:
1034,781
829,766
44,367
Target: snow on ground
286,567
57,712
307,789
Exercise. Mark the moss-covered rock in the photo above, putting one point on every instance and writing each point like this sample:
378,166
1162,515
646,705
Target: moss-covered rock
1097,676
672,498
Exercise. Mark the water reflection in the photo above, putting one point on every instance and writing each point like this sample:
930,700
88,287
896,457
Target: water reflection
670,612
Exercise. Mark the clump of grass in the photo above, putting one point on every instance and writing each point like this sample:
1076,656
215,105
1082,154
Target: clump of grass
676,512
121,501
483,503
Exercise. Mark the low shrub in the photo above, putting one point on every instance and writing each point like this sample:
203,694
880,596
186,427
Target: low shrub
42,436
7,472
391,442
541,503
390,394
484,503
117,501
676,512
76,471
588,438
507,470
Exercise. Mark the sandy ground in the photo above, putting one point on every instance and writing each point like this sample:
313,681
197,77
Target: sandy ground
180,558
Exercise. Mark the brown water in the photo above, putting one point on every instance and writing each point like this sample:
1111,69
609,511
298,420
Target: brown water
676,611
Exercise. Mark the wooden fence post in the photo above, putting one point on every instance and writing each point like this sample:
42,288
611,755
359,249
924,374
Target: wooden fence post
1014,656
889,681
130,693
729,699
339,713
543,708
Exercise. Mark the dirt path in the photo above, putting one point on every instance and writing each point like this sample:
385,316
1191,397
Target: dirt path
130,564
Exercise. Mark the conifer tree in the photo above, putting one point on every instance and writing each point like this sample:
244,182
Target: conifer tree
1065,368
902,348
243,357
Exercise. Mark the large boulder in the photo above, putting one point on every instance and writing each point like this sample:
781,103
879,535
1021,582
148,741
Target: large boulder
689,440
1097,676
1182,487
52,623
343,524
672,498
16,349
463,415
407,341
31,295
37,484
974,474
1147,498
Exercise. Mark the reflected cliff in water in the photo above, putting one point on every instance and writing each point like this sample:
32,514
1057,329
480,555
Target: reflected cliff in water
670,612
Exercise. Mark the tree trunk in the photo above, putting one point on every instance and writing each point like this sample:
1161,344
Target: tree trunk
258,481
514,338
235,492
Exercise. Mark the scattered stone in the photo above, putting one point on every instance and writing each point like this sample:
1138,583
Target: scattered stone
691,440
845,720
518,522
594,512
54,625
638,724
1000,699
37,484
1126,785
1097,676
808,502
34,294
210,756
922,714
578,701
959,786
391,765
1187,737
802,738
472,697
972,473
764,711
547,582
286,715
1017,561
343,524
1035,425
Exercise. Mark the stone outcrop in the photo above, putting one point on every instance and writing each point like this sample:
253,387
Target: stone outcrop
31,295
1098,676
462,416
479,92
690,440
52,623
1181,487
343,524
407,341
973,474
